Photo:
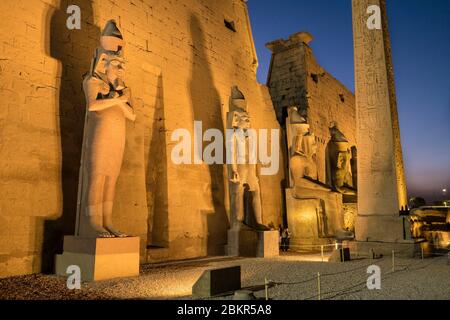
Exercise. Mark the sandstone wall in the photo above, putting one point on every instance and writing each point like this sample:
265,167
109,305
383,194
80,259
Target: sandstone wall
297,79
182,61
328,101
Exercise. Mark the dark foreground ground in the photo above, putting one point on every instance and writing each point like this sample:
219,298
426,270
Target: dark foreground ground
293,278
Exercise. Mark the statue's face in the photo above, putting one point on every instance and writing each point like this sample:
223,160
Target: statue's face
342,160
302,129
242,120
115,69
310,139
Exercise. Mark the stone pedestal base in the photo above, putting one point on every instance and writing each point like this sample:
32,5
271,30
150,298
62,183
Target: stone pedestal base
313,216
382,228
251,243
380,235
340,255
403,249
100,258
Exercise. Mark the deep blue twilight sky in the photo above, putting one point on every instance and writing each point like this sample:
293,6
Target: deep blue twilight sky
420,34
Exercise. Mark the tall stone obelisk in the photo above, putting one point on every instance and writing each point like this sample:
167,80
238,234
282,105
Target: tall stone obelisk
381,178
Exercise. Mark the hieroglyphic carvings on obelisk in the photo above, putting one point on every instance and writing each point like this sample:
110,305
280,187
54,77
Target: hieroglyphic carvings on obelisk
399,169
381,182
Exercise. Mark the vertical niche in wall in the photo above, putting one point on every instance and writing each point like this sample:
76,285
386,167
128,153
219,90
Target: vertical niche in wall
354,165
156,177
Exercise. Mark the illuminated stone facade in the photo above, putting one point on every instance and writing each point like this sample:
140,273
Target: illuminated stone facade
182,59
300,87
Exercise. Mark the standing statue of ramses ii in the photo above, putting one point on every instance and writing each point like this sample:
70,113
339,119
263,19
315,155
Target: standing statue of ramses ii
108,102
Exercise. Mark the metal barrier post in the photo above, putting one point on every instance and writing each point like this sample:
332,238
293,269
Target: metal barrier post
318,285
393,261
266,285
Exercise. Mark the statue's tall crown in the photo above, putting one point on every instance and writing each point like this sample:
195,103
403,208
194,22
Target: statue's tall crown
237,94
237,100
296,117
336,134
111,30
112,39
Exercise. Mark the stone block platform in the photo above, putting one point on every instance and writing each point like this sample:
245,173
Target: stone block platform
251,243
100,258
368,249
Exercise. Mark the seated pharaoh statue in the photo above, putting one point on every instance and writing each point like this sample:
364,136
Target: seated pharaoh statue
242,171
305,187
303,149
339,157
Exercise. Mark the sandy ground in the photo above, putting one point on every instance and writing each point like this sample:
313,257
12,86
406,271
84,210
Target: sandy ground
293,279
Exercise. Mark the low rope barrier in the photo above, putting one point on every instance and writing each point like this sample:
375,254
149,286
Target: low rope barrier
350,289
396,268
